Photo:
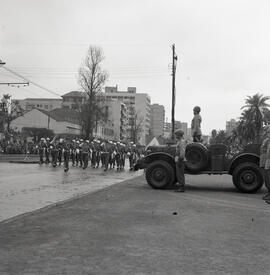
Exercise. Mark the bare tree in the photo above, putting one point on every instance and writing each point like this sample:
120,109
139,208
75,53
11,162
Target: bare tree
91,80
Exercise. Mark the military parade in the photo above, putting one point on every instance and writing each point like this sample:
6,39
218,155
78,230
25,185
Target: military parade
134,137
95,153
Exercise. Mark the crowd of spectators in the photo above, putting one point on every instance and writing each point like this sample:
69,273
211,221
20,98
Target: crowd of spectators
17,146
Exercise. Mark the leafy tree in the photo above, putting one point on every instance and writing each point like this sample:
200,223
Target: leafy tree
91,80
255,114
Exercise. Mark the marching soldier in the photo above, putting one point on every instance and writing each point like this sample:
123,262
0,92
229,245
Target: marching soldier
41,150
112,155
66,145
122,156
60,151
132,156
93,147
85,152
117,155
73,152
106,149
54,153
47,151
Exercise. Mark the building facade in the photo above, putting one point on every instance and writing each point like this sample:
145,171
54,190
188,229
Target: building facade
46,104
137,110
230,126
56,121
157,118
74,100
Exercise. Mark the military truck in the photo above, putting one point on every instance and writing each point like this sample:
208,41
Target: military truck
159,165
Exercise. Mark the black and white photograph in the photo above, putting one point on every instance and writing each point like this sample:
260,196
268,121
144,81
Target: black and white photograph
134,137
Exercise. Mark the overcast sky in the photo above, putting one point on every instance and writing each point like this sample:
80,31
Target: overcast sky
223,49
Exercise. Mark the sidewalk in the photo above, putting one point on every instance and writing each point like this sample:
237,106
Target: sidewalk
129,228
19,158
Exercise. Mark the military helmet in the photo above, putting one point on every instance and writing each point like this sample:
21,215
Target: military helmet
197,109
179,132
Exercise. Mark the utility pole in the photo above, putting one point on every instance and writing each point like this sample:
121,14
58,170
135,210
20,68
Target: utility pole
174,58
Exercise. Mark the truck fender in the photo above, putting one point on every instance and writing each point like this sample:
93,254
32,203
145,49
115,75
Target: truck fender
244,157
144,162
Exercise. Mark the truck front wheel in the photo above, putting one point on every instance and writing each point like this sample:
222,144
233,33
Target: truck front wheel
247,177
160,174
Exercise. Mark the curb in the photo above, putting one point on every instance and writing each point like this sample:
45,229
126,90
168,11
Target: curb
23,161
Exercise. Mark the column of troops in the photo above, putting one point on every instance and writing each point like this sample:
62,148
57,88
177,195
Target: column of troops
84,153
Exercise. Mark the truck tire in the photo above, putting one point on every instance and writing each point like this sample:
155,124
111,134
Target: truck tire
160,174
247,177
196,157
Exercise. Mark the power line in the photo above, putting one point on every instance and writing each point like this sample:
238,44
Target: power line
30,81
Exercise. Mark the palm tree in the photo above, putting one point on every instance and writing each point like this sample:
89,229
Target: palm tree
254,116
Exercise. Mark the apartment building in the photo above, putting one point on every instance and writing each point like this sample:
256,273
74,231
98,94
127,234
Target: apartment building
138,111
157,117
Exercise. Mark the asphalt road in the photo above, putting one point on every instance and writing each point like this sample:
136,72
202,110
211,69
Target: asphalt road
129,228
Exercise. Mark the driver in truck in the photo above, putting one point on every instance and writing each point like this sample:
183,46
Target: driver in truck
179,160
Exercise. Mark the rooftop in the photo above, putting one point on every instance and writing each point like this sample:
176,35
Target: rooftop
75,94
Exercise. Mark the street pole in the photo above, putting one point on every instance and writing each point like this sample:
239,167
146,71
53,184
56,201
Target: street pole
174,58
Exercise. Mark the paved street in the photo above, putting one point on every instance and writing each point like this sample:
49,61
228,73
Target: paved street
129,228
27,187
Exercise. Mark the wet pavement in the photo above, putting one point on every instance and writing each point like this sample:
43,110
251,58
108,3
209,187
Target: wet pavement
130,228
28,187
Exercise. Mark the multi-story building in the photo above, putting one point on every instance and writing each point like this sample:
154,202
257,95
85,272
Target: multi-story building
117,118
46,104
157,117
74,100
230,126
138,111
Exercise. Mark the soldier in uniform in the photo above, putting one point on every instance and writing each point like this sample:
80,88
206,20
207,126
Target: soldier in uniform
60,151
106,154
179,160
72,152
98,153
54,152
47,151
112,153
132,156
93,147
122,156
66,145
117,156
41,150
85,153
196,125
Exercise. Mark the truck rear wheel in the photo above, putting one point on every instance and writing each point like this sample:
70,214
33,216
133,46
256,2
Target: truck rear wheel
247,177
160,174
